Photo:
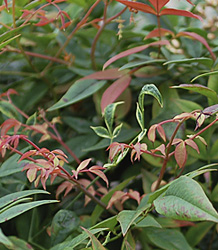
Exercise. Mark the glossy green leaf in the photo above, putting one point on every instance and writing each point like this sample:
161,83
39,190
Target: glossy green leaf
71,244
149,89
96,245
167,239
3,44
147,221
109,115
185,200
101,131
63,224
209,93
139,117
212,82
211,73
8,110
117,130
129,242
139,63
203,60
195,234
78,91
22,208
5,241
19,244
10,198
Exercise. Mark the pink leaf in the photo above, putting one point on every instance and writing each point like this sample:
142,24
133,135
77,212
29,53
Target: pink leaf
192,144
115,197
161,132
161,149
133,50
151,133
200,39
159,32
138,6
83,164
114,91
158,4
176,12
181,154
31,174
99,173
105,75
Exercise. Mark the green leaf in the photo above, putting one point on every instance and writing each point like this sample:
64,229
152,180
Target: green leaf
211,73
148,221
195,234
71,244
110,223
77,92
8,110
203,60
168,239
109,115
127,217
19,244
209,93
185,200
22,208
5,241
63,224
139,63
117,130
9,34
139,117
96,245
101,131
10,198
212,82
11,165
3,44
128,242
149,89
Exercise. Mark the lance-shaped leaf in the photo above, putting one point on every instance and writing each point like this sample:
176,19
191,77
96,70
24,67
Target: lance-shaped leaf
138,6
176,12
149,89
127,217
108,74
101,131
78,91
186,200
109,115
96,245
139,117
133,51
117,130
22,208
205,74
209,93
114,91
199,38
180,154
159,33
2,45
158,4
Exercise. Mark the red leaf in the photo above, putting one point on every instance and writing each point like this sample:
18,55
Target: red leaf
190,2
181,154
161,149
2,7
159,32
158,4
132,51
115,197
31,174
138,6
27,154
6,3
8,124
105,75
176,12
114,91
200,39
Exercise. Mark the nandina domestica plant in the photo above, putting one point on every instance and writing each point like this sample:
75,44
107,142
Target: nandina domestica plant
99,108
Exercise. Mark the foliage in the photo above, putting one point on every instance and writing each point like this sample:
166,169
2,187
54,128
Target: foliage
111,106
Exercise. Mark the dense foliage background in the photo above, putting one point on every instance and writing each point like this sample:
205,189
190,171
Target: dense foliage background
50,53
